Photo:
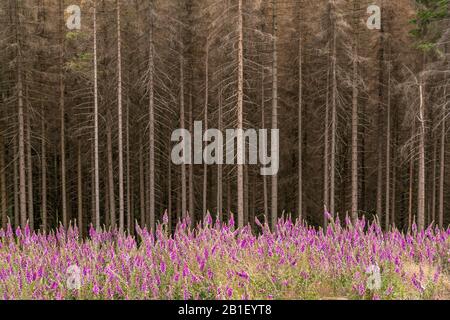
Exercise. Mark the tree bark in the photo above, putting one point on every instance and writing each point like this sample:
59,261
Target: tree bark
355,93
274,109
141,185
151,137
182,126
120,121
219,166
263,126
96,159
29,164
442,164
80,190
112,202
421,173
205,120
388,151
3,198
240,116
20,118
191,166
62,115
300,124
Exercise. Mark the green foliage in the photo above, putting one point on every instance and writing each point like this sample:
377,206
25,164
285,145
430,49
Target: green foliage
425,31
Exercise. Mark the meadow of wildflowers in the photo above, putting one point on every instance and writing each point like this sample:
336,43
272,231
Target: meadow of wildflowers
217,261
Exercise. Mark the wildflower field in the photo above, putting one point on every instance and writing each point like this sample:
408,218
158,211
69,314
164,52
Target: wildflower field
217,261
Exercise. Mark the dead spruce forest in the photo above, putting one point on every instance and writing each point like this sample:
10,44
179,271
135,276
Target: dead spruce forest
86,115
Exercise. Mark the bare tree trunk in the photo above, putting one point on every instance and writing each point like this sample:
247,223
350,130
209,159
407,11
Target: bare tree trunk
246,198
326,165
300,125
219,166
43,176
29,172
62,115
120,121
442,165
355,93
20,115
112,202
129,185
151,204
394,190
205,120
274,109
381,58
169,192
141,185
333,124
3,198
263,126
388,151
96,160
182,125
191,166
16,188
411,185
107,204
240,116
80,191
433,190
421,173
229,198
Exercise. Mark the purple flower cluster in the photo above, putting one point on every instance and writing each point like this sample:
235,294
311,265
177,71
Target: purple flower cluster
217,261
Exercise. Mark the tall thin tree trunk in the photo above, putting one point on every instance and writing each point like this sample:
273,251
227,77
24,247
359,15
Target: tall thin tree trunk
182,126
442,164
240,116
21,122
355,93
80,190
112,202
129,186
219,166
29,172
62,115
43,176
274,109
151,137
3,198
326,142
300,124
141,185
96,159
411,185
191,166
388,151
205,120
169,191
107,205
16,187
421,173
263,126
120,121
246,198
333,130
394,190
381,58
229,198
433,187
